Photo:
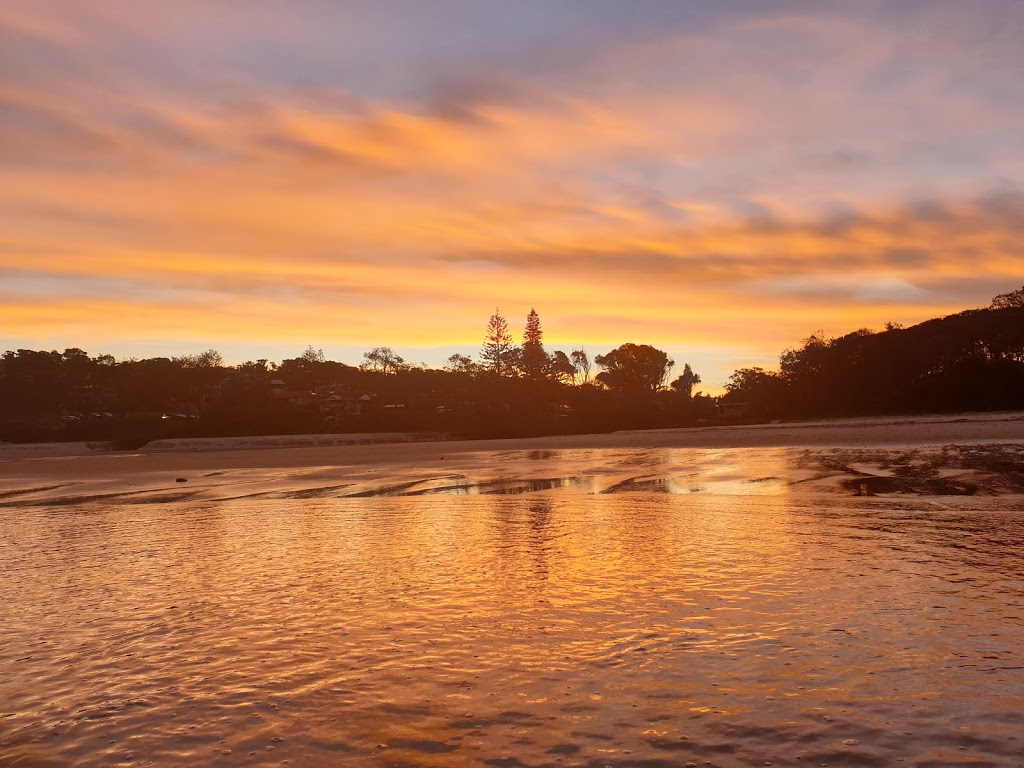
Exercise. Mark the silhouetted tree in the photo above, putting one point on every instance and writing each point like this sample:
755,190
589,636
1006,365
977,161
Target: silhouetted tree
211,358
581,363
198,375
686,381
497,352
383,360
313,355
634,367
515,361
560,367
255,368
1011,300
806,360
461,364
764,391
534,362
745,380
311,369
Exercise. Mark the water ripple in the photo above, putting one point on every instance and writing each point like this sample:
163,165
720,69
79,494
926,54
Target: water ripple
506,629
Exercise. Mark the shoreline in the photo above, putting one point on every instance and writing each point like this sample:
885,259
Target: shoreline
20,462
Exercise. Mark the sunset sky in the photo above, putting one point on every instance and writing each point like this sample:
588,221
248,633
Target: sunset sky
718,178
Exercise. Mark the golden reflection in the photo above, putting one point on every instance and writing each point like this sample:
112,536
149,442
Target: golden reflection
435,629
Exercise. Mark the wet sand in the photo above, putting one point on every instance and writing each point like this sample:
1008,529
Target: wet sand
79,461
613,600
988,469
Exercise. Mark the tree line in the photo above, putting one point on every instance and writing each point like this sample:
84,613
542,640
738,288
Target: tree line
508,389
973,360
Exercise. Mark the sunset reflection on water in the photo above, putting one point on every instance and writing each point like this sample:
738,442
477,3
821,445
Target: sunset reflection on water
549,628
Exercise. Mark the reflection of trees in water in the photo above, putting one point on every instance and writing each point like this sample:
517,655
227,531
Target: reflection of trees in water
524,536
541,455
497,487
540,515
540,523
646,532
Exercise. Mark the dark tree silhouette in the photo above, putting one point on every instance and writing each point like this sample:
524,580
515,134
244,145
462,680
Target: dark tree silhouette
634,367
310,370
762,390
211,358
461,364
498,350
686,381
560,367
745,380
973,360
806,360
1011,300
255,368
581,363
313,355
383,360
534,359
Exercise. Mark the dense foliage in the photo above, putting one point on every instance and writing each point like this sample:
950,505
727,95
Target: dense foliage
973,360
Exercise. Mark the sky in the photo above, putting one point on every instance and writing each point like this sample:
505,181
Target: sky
717,178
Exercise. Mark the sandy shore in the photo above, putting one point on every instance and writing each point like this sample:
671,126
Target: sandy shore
18,463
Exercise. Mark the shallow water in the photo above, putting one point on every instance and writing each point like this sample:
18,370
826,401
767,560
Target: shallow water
552,626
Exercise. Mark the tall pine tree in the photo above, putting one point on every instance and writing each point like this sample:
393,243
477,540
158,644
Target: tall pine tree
496,354
535,359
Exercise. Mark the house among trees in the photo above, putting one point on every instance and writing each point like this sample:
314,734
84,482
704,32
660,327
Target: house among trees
731,410
333,402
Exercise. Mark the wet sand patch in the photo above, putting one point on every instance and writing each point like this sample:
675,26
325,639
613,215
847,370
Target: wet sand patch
951,470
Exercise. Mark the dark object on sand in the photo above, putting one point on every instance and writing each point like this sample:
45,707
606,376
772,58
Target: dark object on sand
181,480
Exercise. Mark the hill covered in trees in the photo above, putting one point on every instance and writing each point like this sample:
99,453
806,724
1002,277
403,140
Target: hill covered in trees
973,360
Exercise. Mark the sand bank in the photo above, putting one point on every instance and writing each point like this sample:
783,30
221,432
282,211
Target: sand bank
263,442
343,450
923,455
19,451
23,451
